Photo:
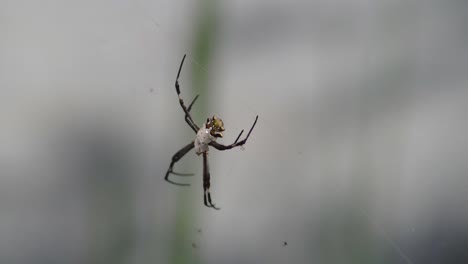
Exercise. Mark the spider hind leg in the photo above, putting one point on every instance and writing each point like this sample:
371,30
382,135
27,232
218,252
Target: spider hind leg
175,159
206,183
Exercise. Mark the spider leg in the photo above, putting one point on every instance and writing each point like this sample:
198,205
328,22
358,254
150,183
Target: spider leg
236,143
191,104
206,183
240,134
175,159
188,117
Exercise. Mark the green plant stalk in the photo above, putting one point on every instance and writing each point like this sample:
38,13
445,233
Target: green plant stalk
203,45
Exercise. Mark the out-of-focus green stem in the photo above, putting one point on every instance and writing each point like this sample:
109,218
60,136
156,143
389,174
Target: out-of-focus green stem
203,44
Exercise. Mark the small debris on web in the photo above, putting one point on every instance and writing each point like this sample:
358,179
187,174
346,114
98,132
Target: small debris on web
285,243
194,246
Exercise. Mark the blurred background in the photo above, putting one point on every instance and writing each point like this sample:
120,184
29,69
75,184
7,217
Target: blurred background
359,154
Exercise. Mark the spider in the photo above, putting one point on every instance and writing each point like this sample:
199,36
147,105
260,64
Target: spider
205,136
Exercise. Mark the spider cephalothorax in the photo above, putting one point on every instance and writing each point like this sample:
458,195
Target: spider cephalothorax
206,136
216,125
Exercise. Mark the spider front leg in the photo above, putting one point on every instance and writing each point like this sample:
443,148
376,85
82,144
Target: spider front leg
236,143
176,158
206,183
188,117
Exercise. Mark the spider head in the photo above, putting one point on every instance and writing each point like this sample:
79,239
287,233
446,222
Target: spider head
216,125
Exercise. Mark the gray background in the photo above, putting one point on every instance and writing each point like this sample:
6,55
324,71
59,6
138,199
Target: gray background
359,154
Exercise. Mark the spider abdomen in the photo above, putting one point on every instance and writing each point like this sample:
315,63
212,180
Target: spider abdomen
202,140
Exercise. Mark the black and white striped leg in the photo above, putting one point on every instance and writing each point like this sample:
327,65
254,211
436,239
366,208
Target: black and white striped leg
176,158
206,183
236,143
188,117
